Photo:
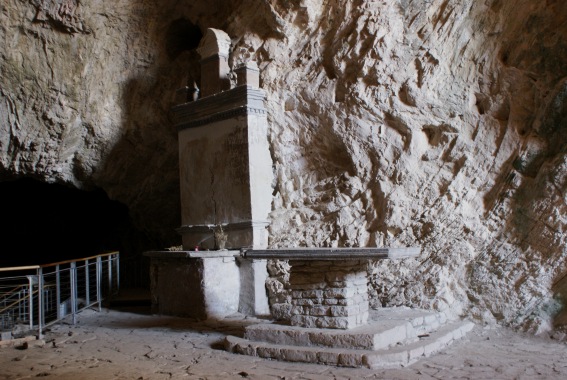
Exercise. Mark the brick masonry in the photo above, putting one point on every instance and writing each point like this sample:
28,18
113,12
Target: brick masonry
329,293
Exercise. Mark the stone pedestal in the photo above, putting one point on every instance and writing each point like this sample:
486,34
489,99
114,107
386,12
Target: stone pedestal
205,285
329,285
329,294
226,195
194,284
253,294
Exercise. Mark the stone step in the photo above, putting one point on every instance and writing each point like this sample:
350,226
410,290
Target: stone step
398,356
387,327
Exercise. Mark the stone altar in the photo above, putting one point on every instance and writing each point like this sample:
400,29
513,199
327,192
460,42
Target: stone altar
225,179
330,285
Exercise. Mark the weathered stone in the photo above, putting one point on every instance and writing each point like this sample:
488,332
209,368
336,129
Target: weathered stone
427,123
201,287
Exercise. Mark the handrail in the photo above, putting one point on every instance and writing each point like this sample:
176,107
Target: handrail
47,294
14,289
10,269
17,302
30,267
81,259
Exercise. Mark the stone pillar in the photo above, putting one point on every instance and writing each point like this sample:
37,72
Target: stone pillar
253,295
329,294
226,194
248,75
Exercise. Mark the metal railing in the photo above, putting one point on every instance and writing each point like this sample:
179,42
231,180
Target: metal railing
34,297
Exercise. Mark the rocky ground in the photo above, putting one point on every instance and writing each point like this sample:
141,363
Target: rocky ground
132,344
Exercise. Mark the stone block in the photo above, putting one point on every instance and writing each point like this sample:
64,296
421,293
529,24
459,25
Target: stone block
318,310
347,292
330,301
306,301
248,74
253,295
360,298
385,359
306,286
269,352
336,322
245,349
196,287
297,310
298,355
303,321
344,301
328,357
312,293
306,278
350,359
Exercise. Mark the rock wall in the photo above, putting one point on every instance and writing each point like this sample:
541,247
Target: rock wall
439,123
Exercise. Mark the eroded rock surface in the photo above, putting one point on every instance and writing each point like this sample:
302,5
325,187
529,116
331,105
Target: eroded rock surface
440,123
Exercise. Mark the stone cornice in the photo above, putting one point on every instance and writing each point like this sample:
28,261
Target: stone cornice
221,116
241,100
203,228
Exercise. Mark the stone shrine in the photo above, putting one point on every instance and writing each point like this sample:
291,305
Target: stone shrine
223,145
225,179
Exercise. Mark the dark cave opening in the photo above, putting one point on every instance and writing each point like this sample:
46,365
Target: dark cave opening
45,223
182,35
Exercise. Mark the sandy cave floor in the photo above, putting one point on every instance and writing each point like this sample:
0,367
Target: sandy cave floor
132,344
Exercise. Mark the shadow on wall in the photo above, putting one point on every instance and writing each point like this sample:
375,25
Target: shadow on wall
142,169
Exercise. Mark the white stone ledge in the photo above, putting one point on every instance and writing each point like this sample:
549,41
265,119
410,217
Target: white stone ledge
332,253
191,254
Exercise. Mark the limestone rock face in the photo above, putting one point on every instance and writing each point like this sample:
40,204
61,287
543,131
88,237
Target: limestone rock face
439,123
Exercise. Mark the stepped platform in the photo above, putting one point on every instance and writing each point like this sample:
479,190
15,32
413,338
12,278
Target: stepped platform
393,337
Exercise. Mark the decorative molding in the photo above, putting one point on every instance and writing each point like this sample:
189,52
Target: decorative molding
208,228
222,116
241,100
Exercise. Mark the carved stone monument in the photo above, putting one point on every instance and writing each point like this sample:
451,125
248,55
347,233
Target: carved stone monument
225,179
224,157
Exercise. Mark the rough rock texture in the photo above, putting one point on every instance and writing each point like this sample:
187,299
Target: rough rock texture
440,123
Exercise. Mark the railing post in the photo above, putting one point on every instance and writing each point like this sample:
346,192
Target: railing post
87,288
30,301
58,292
117,272
109,260
40,306
73,281
98,278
